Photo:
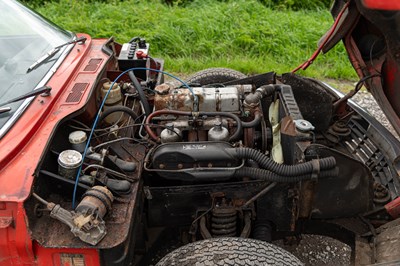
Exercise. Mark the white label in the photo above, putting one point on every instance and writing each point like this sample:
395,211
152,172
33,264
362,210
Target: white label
194,146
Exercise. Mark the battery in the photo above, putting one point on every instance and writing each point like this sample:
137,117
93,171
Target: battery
134,55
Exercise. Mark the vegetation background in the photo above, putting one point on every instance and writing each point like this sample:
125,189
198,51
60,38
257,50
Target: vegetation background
252,36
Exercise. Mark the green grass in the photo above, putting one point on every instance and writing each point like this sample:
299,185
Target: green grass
243,34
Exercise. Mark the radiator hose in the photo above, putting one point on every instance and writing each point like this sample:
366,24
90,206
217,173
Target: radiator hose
265,162
265,175
140,91
114,109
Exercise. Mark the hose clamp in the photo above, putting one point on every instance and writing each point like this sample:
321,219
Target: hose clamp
316,169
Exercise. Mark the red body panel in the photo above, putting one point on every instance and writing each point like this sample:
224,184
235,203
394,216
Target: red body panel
15,244
24,144
382,4
393,208
54,257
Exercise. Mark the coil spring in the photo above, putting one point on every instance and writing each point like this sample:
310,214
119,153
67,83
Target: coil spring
223,222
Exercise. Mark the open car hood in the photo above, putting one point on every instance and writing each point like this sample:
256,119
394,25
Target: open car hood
370,30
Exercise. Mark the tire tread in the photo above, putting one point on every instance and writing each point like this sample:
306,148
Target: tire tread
229,251
214,75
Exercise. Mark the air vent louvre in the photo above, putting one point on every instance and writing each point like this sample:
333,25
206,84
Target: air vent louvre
76,93
362,147
93,64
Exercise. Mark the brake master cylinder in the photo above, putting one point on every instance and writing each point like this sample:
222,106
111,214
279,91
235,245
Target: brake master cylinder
68,163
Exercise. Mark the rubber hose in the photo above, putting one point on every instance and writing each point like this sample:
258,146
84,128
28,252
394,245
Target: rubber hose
269,89
142,96
265,175
254,122
118,185
281,169
114,109
261,92
124,165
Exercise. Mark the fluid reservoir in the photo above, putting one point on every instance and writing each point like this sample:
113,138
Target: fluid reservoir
68,163
114,98
77,139
218,132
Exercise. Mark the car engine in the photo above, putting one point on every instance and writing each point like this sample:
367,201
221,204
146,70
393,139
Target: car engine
163,164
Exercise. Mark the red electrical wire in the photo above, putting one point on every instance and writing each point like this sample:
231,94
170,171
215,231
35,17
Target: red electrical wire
307,63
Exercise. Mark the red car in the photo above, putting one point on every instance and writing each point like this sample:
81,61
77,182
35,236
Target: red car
102,163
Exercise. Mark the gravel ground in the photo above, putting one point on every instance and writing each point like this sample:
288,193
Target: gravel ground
365,99
319,250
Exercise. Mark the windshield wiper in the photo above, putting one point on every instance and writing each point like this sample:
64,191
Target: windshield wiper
44,89
5,109
52,52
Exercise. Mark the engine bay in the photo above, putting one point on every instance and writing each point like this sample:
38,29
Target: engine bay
163,164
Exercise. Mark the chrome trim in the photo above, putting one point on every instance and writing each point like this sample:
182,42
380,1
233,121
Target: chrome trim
10,122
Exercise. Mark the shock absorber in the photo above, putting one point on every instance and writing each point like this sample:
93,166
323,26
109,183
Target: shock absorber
223,221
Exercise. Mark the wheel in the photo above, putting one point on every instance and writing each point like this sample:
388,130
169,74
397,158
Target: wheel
229,251
215,75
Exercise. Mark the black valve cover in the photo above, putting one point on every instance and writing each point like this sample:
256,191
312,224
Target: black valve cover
194,160
181,155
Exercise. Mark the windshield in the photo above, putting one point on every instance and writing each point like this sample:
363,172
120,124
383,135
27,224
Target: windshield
24,37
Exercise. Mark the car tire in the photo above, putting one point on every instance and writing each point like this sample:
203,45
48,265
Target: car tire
229,251
214,76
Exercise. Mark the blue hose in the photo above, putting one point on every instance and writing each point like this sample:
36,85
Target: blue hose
96,120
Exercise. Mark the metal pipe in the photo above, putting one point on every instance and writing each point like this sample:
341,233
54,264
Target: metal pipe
259,194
